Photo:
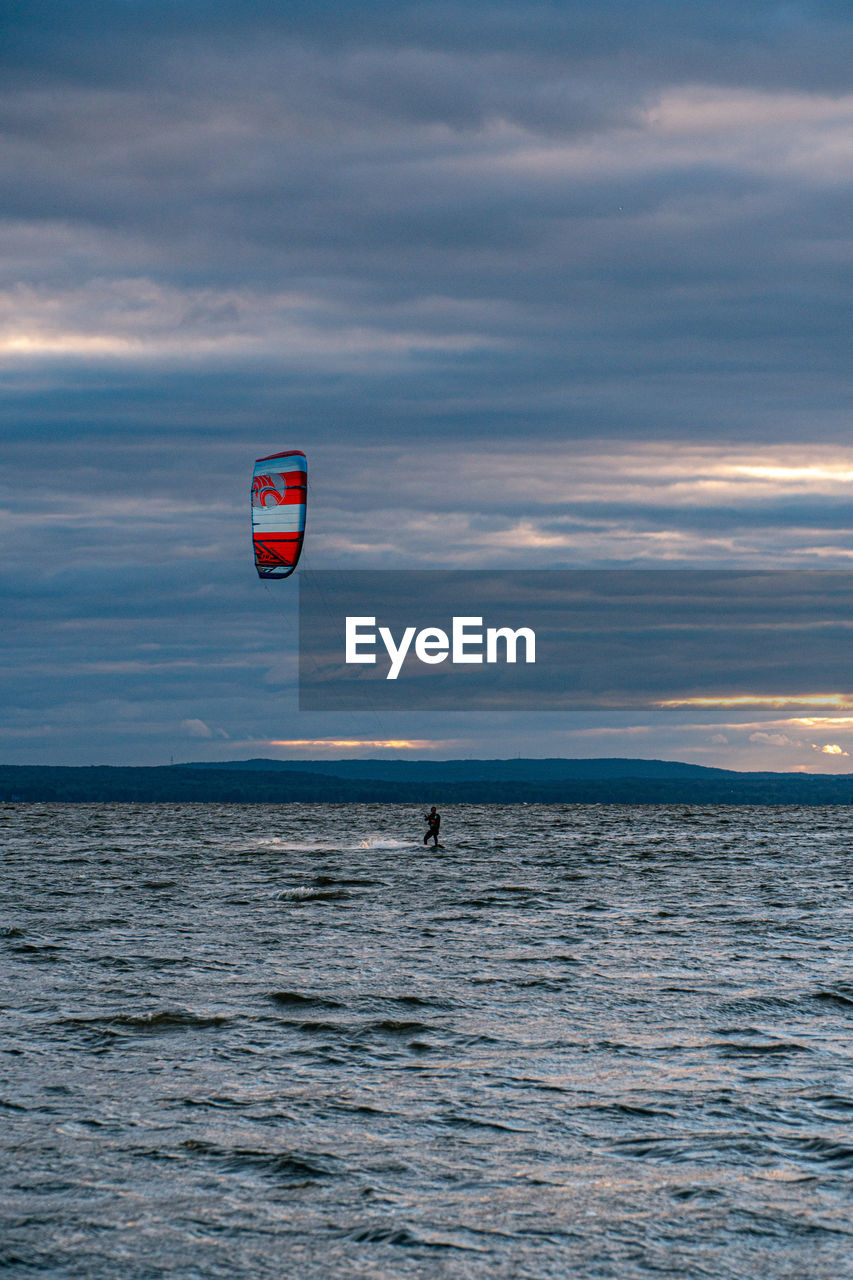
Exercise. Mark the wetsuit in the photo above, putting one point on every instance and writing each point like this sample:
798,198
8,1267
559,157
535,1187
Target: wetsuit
434,820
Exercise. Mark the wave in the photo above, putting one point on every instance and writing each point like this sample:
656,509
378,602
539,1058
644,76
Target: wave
161,1020
838,1154
758,1048
296,1000
837,995
802,1002
407,1238
324,880
292,1168
310,893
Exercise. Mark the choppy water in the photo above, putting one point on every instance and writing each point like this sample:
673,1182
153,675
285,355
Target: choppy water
584,1041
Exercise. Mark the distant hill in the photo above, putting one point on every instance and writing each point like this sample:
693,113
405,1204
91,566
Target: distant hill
517,770
442,782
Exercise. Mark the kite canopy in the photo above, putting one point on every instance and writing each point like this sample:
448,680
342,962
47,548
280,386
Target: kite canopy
279,491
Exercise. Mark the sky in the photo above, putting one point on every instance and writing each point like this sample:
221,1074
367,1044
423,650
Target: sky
534,285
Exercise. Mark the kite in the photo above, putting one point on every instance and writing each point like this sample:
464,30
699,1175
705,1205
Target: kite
279,492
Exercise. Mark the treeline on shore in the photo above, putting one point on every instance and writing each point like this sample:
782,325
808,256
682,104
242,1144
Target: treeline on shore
183,784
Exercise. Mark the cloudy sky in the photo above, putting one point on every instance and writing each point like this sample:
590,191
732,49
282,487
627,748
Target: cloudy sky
547,285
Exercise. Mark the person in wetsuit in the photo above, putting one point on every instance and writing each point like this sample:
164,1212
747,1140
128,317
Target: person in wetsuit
433,821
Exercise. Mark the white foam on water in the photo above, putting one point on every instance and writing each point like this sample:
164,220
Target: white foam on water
301,846
312,893
383,842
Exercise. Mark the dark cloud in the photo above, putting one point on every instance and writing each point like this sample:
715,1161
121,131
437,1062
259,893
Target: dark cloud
128,38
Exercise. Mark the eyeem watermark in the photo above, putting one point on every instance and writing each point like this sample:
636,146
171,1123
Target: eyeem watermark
574,639
432,645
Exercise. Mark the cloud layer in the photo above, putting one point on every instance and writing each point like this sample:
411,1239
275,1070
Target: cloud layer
532,284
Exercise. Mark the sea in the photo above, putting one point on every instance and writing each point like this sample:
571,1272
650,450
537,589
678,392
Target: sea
290,1041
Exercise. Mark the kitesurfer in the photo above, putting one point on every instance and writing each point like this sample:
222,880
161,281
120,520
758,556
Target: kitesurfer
433,821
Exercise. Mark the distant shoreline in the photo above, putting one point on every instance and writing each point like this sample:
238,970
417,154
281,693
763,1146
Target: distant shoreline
489,782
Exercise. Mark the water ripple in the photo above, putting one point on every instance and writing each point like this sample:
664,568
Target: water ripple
248,1041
